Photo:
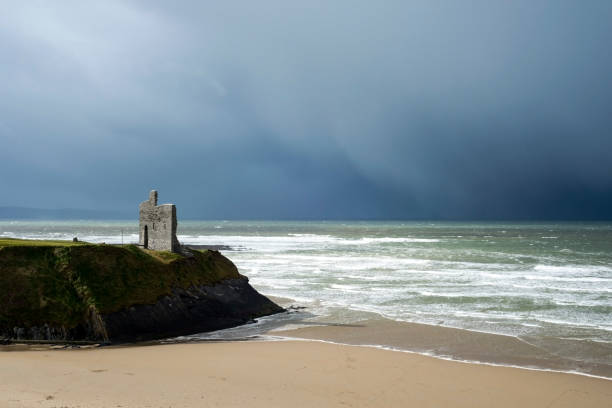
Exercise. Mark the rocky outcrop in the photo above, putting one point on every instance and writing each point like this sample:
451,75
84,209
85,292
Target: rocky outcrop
194,310
197,309
105,293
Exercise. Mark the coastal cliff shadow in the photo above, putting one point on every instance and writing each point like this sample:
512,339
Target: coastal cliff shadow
258,329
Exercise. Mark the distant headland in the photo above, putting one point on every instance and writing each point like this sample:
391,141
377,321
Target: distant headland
78,291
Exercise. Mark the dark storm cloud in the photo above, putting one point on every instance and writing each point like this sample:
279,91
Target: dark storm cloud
473,109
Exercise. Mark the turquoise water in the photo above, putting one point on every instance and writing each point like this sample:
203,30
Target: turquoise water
548,283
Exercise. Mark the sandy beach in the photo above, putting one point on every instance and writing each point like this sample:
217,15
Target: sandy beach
275,374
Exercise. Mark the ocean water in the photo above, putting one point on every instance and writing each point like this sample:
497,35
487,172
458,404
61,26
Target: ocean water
549,284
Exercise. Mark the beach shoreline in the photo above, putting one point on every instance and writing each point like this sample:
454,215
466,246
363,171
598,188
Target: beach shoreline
277,373
543,288
452,344
449,343
358,331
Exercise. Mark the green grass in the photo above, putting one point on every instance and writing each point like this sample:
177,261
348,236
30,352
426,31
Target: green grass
34,242
64,284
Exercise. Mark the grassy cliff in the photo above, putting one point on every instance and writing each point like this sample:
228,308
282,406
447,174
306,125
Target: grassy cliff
64,284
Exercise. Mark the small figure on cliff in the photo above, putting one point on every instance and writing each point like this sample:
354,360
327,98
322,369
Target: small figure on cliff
157,227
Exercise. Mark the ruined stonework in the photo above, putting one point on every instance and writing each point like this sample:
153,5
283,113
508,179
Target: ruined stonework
158,225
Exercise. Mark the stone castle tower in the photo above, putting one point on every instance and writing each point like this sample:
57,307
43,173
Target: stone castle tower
158,225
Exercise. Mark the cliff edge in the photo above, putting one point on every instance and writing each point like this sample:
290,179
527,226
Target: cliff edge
64,291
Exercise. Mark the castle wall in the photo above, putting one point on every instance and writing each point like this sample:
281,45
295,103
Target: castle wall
157,226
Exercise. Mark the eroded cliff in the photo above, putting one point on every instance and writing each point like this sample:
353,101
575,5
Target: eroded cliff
64,291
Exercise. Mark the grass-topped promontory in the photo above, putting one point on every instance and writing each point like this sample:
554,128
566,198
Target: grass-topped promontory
61,283
35,242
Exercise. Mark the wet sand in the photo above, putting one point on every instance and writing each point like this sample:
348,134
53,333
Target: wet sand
459,344
275,374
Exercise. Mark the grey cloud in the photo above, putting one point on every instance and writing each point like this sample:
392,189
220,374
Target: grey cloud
418,109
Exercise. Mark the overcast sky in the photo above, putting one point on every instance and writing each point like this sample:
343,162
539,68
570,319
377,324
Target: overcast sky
310,109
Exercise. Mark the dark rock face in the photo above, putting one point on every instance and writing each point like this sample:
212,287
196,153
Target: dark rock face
198,309
105,293
229,303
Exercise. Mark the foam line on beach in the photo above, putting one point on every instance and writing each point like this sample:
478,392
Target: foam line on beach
437,356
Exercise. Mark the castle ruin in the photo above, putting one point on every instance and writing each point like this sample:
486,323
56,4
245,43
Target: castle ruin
158,225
